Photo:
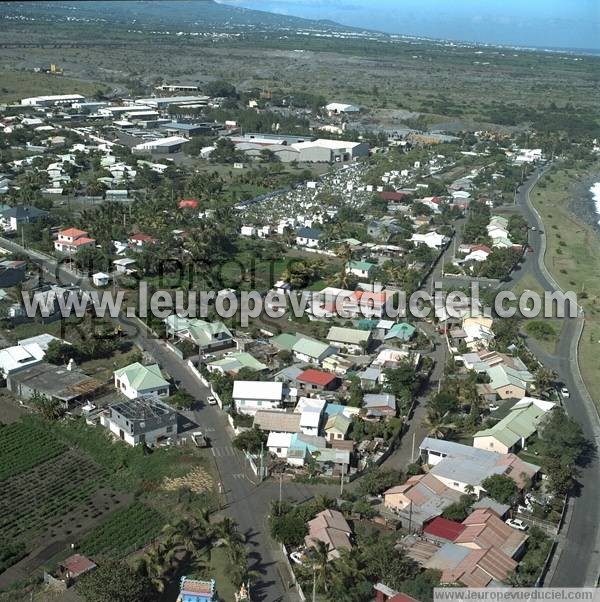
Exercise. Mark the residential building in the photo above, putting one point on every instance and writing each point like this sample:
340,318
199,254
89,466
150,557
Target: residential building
311,351
509,383
197,590
402,332
101,279
65,384
19,357
146,420
234,362
73,239
351,340
311,381
308,237
208,336
514,430
136,380
277,421
337,427
361,269
432,239
337,108
250,396
13,217
460,466
278,443
331,528
139,240
12,272
125,265
379,405
419,500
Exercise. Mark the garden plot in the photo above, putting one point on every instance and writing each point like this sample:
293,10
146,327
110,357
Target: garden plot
197,481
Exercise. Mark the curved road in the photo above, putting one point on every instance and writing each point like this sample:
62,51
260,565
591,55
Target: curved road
578,555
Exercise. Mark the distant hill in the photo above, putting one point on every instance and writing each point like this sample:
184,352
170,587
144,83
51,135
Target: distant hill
183,14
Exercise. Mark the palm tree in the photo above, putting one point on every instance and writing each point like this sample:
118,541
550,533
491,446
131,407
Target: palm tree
319,556
544,377
436,424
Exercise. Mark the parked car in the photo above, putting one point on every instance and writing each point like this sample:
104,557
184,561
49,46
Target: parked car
565,392
493,407
211,400
297,557
516,523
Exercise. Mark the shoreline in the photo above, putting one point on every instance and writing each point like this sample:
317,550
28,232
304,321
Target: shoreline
582,204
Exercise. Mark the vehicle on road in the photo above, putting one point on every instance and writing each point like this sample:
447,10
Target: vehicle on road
199,439
565,392
516,523
211,400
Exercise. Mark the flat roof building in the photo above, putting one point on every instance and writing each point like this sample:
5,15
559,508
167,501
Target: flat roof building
50,101
172,144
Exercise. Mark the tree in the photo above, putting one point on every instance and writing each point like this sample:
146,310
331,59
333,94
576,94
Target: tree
287,526
500,488
49,408
250,440
116,581
384,563
436,424
219,88
59,353
182,399
377,481
458,511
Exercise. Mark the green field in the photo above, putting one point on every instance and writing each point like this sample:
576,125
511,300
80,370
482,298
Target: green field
15,85
573,257
123,532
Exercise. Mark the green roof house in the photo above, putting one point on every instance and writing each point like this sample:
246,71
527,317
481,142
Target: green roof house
309,350
208,336
350,339
402,332
514,430
285,341
362,269
136,380
233,363
337,427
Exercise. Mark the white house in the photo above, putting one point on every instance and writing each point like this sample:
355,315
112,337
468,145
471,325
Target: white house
249,396
308,237
136,380
432,239
19,357
100,279
248,231
73,239
279,443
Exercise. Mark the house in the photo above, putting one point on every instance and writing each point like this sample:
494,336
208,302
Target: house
278,443
460,466
484,529
248,231
73,239
351,340
64,384
509,383
249,396
361,269
69,571
145,419
370,378
12,272
19,357
402,332
337,108
383,593
419,500
188,204
337,427
441,530
125,265
140,240
312,380
13,217
311,351
136,380
379,405
331,528
277,421
339,364
308,237
101,279
234,362
311,415
208,336
516,428
478,253
432,239
43,340
197,590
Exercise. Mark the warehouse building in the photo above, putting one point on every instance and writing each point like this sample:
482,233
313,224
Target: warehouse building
51,101
188,130
270,139
163,103
164,146
330,151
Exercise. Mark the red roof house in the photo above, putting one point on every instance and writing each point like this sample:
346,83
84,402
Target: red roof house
140,239
317,380
441,529
397,197
188,204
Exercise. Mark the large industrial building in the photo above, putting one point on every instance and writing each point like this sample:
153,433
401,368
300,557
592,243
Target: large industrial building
181,101
165,146
310,151
51,101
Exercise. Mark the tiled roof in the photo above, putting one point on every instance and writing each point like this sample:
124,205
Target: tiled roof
316,377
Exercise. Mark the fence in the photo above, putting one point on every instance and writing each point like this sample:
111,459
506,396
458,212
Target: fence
291,569
205,382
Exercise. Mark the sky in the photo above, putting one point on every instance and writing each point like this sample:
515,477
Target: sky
535,23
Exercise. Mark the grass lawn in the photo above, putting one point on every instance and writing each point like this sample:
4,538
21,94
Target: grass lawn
219,570
573,257
21,84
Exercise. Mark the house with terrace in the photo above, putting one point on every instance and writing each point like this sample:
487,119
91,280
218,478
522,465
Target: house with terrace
461,467
514,430
207,336
250,396
71,240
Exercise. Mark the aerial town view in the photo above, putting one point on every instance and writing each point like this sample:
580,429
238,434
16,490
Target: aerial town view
299,300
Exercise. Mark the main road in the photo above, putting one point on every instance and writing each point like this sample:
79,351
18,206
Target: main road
578,554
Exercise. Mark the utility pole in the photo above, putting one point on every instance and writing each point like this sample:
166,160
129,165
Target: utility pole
412,454
342,481
314,592
260,473
280,485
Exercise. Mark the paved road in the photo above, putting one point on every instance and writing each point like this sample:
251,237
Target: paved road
579,557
